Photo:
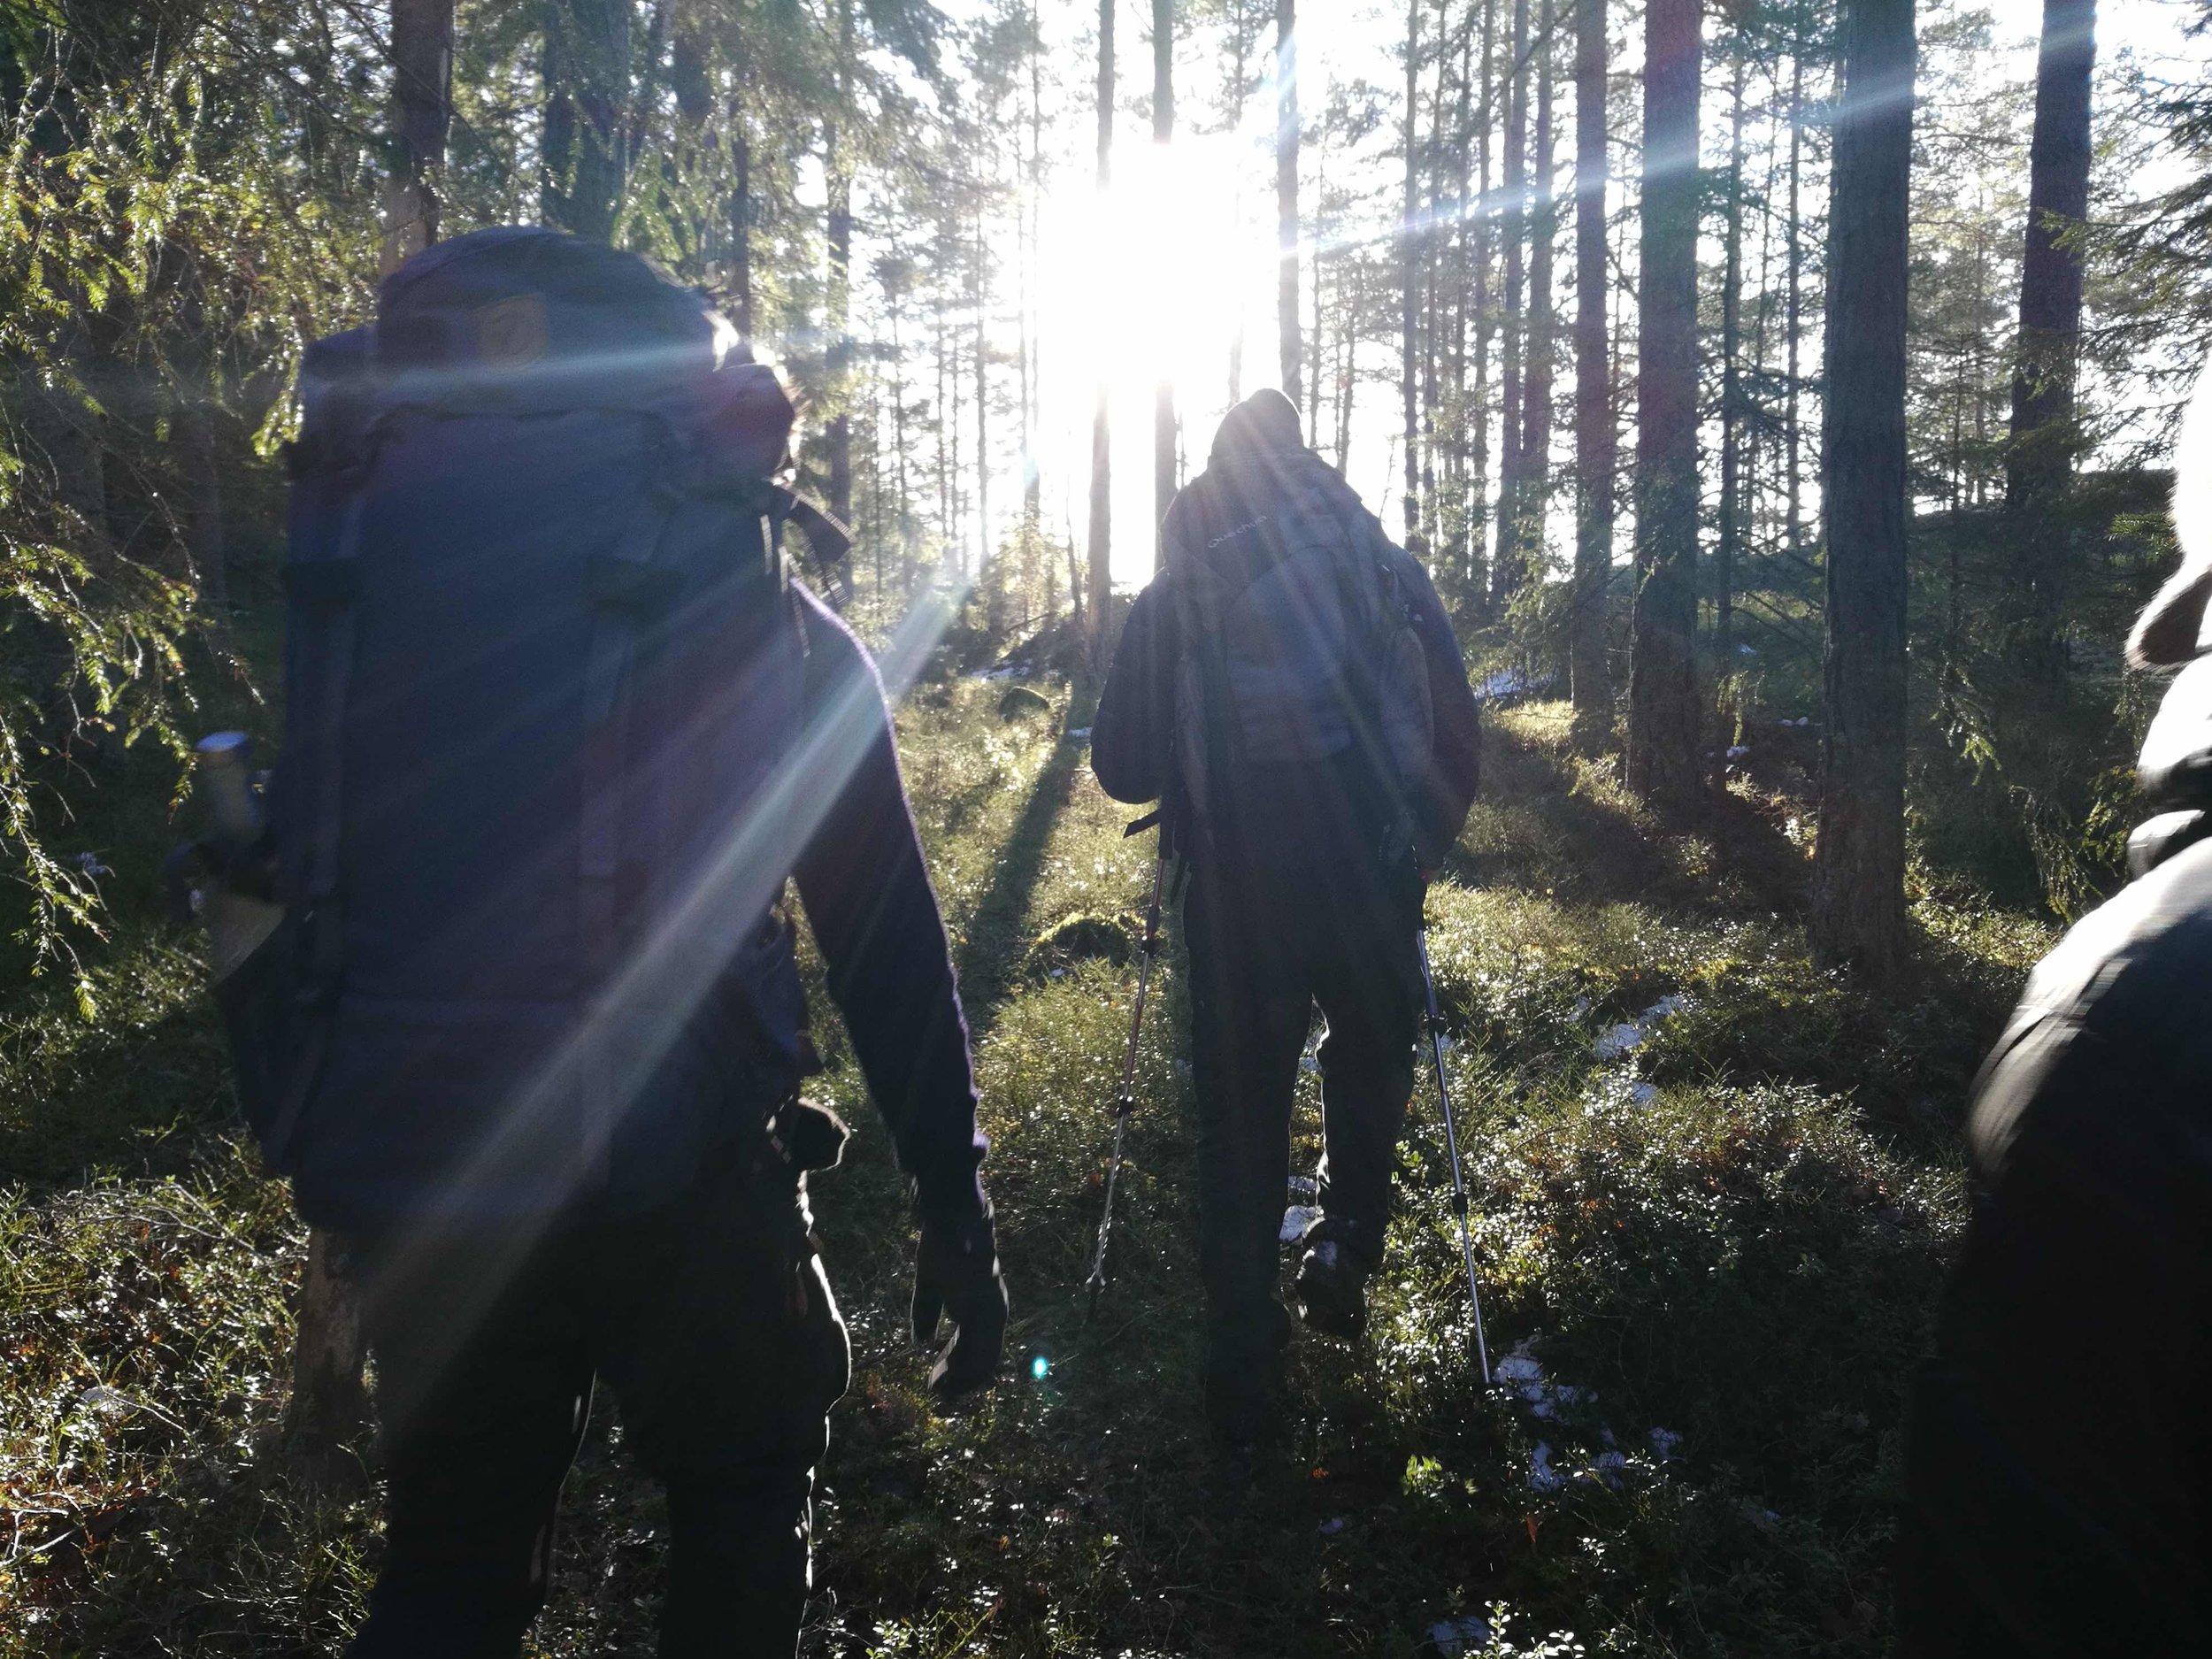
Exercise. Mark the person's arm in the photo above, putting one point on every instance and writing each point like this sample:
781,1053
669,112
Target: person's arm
867,893
1447,789
1133,734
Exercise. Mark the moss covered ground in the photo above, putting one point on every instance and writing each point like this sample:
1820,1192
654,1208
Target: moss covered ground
1715,1186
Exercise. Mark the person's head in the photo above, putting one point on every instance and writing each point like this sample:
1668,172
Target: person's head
2171,628
1263,424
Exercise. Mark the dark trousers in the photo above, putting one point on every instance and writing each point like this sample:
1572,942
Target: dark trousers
712,1321
1263,950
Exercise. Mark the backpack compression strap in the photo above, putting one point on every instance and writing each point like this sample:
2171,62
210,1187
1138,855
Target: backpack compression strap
322,592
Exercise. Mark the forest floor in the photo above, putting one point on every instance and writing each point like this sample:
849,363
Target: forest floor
1715,1189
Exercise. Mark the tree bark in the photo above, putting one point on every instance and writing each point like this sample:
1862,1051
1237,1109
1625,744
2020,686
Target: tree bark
1506,566
1409,278
1663,762
1731,539
1102,554
1536,412
1163,429
586,83
422,98
2051,272
1793,425
2039,460
837,356
1859,881
1484,534
1286,134
1595,440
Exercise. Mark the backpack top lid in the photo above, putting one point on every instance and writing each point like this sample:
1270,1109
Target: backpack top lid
520,319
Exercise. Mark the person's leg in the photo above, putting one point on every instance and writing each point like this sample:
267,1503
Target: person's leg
715,1323
1362,951
479,1428
740,1567
1249,1017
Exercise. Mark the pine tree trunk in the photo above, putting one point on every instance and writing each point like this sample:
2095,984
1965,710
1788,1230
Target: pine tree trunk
1859,881
422,81
1483,535
979,304
586,83
1536,412
1164,469
1286,199
1032,348
1731,539
1793,425
741,209
1595,440
1663,718
1409,279
1506,568
1102,555
837,358
2040,461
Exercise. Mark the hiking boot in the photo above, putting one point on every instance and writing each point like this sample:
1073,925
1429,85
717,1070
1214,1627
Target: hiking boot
1331,1284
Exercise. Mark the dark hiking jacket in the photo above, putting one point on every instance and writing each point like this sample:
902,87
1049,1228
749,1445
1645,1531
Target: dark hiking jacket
875,918
1132,735
2059,1454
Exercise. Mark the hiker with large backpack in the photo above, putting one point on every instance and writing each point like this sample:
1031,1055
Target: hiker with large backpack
1290,688
526,1032
2056,1469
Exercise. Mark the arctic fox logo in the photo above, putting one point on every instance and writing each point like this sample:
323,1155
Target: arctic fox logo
1231,535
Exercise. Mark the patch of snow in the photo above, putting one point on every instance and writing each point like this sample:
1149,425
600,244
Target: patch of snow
1643,1094
1310,1062
1332,1525
1465,1634
1582,1006
1664,1441
90,865
1615,1040
1510,682
1080,731
1296,1219
1304,1187
1744,650
1541,1476
1737,751
1519,1370
1607,1466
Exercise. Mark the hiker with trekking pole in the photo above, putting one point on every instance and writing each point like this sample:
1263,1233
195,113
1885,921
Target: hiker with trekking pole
1290,690
506,952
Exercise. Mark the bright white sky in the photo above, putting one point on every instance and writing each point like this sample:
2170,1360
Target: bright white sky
1162,276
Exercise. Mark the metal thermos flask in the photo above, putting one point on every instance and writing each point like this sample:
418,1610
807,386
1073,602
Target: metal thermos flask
236,922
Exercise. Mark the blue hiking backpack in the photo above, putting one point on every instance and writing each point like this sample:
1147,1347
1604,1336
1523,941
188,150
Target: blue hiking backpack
543,677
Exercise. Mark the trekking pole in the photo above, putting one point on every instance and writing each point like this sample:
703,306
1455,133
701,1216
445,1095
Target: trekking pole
1127,1103
1451,1145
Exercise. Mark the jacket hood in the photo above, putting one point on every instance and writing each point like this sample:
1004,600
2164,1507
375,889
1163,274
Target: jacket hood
1265,423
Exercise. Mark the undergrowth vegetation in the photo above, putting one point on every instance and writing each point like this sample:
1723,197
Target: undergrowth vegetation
1715,1187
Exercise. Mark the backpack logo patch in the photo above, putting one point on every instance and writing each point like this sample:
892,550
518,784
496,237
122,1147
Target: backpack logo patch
511,334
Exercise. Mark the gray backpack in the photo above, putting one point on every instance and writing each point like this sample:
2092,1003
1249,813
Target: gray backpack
1301,698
